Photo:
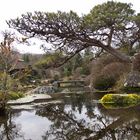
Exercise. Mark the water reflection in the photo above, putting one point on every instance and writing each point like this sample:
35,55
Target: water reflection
77,118
86,120
9,130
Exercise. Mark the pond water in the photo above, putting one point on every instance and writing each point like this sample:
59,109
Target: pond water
78,117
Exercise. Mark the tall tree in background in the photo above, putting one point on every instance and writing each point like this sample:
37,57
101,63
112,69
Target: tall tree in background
108,26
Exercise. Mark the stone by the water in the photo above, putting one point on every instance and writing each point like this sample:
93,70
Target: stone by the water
133,79
43,90
29,99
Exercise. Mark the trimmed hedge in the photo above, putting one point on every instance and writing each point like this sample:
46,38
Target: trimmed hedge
120,100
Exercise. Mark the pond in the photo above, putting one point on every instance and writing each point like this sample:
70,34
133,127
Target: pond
77,117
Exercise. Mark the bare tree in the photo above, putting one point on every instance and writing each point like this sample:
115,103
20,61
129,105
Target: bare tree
8,60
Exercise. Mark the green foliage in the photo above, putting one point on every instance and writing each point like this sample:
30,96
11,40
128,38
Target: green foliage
70,67
56,77
86,62
67,71
41,63
7,82
28,75
129,99
12,95
130,89
109,14
15,95
137,19
117,106
26,58
49,60
84,70
103,83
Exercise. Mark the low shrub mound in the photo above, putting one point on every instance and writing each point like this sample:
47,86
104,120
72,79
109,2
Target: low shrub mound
104,83
117,106
120,99
107,73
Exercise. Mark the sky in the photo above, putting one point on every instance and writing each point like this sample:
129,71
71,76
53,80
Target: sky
14,8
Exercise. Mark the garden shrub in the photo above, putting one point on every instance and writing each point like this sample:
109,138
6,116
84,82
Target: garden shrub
15,95
121,99
104,83
67,72
130,89
108,66
12,95
115,69
56,77
117,106
85,70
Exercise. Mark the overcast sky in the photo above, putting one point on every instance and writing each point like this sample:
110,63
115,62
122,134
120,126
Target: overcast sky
14,8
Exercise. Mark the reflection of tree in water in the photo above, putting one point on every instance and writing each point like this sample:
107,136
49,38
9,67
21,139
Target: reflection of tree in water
65,124
78,101
104,125
8,129
125,124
